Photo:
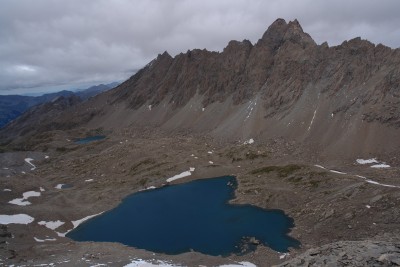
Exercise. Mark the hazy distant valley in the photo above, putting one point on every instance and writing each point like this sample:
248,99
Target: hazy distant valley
13,106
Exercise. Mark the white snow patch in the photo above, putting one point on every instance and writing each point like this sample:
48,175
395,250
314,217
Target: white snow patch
312,120
78,222
179,176
41,189
362,177
337,172
203,109
23,201
59,186
19,202
149,107
6,190
249,142
372,182
366,161
31,194
376,183
209,152
249,109
5,168
368,206
382,165
44,240
28,160
151,187
240,264
16,218
46,157
23,172
89,180
62,234
192,155
319,166
283,255
196,158
51,224
211,162
385,185
143,263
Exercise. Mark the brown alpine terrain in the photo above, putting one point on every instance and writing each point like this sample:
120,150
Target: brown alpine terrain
286,116
344,98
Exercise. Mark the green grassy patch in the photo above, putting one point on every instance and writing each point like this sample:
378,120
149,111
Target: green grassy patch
295,179
315,183
239,153
251,155
142,182
283,171
61,149
141,164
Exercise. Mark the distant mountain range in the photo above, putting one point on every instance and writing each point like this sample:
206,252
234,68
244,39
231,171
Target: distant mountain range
12,106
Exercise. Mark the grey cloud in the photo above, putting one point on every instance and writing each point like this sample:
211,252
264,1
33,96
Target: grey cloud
47,43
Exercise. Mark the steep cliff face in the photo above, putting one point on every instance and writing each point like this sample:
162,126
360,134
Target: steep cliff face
279,67
342,98
240,71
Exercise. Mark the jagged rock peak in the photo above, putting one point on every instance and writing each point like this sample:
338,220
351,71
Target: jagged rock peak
276,29
295,25
233,45
280,31
296,34
164,55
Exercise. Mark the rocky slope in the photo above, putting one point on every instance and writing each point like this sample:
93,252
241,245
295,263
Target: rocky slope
350,253
340,100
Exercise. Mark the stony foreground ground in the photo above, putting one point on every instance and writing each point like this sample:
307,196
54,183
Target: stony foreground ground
331,199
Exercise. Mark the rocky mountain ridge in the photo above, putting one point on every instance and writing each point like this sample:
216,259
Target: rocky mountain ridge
13,106
341,99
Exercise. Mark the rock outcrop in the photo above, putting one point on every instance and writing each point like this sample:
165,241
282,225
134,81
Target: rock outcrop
350,253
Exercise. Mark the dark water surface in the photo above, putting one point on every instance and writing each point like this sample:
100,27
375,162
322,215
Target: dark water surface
65,186
89,139
191,216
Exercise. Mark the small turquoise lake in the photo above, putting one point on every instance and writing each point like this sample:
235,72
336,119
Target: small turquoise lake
191,216
89,139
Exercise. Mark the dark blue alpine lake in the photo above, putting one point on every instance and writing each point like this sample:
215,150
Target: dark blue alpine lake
192,216
89,139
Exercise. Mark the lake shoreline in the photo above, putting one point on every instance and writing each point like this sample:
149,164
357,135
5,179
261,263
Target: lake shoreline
129,161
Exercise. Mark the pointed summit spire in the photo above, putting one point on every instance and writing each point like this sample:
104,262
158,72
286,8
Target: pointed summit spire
295,24
280,31
296,34
295,27
276,30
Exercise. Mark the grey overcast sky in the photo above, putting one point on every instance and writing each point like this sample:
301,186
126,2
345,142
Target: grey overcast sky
49,45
